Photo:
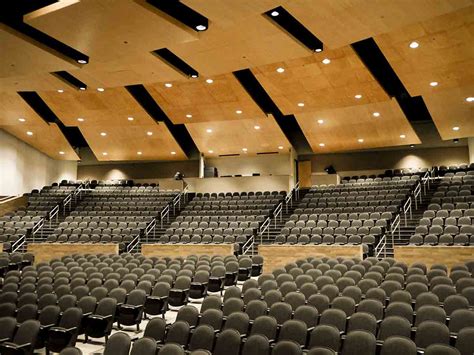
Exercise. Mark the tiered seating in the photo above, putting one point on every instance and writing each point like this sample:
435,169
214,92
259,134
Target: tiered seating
350,213
95,291
326,306
389,175
112,213
16,224
222,218
449,217
14,261
455,170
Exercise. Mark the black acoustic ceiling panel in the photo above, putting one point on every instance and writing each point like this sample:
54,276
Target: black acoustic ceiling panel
175,62
182,13
70,80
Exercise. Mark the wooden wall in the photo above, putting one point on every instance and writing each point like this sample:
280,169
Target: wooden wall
175,250
12,204
429,255
44,252
276,256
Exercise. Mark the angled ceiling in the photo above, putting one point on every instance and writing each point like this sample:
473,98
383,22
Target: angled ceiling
120,36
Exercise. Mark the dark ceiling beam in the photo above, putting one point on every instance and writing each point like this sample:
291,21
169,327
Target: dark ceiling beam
72,134
178,131
370,54
288,123
171,59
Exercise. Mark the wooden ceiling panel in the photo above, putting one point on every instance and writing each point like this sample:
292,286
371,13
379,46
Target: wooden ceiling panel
449,109
319,86
110,107
339,22
445,53
343,127
230,137
217,101
123,142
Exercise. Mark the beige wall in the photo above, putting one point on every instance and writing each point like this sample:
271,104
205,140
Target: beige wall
470,142
275,164
137,171
23,168
238,184
377,162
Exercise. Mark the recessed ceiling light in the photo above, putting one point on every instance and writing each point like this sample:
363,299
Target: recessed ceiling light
130,118
301,104
210,151
194,76
201,27
104,153
280,70
274,13
414,45
60,90
80,119
434,83
402,136
376,114
61,152
456,128
358,96
29,133
256,127
139,153
244,149
103,134
149,133
470,99
189,115
82,61
238,112
209,81
320,121
412,146
209,130
280,147
173,153
326,61
101,89
455,140
168,85
22,120
322,144
82,88
318,50
360,140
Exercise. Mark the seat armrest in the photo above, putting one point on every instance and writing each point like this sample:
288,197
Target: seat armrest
4,340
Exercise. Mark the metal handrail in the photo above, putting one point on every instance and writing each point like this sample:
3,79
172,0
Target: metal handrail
289,197
37,227
176,201
67,200
19,243
416,193
425,180
53,213
264,228
165,212
394,226
149,228
278,213
382,245
134,243
406,208
249,244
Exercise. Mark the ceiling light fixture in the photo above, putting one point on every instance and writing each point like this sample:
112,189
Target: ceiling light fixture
201,28
455,140
274,13
130,118
22,120
101,89
280,147
61,152
470,99
244,149
104,153
60,91
139,153
256,127
82,88
103,134
360,140
434,83
210,151
318,50
82,61
168,85
376,114
189,115
173,153
280,70
414,45
412,146
301,104
80,119
358,96
209,81
402,136
149,133
29,133
320,121
322,144
326,61
456,128
209,130
194,76
239,112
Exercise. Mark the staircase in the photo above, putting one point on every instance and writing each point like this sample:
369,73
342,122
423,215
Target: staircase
406,231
